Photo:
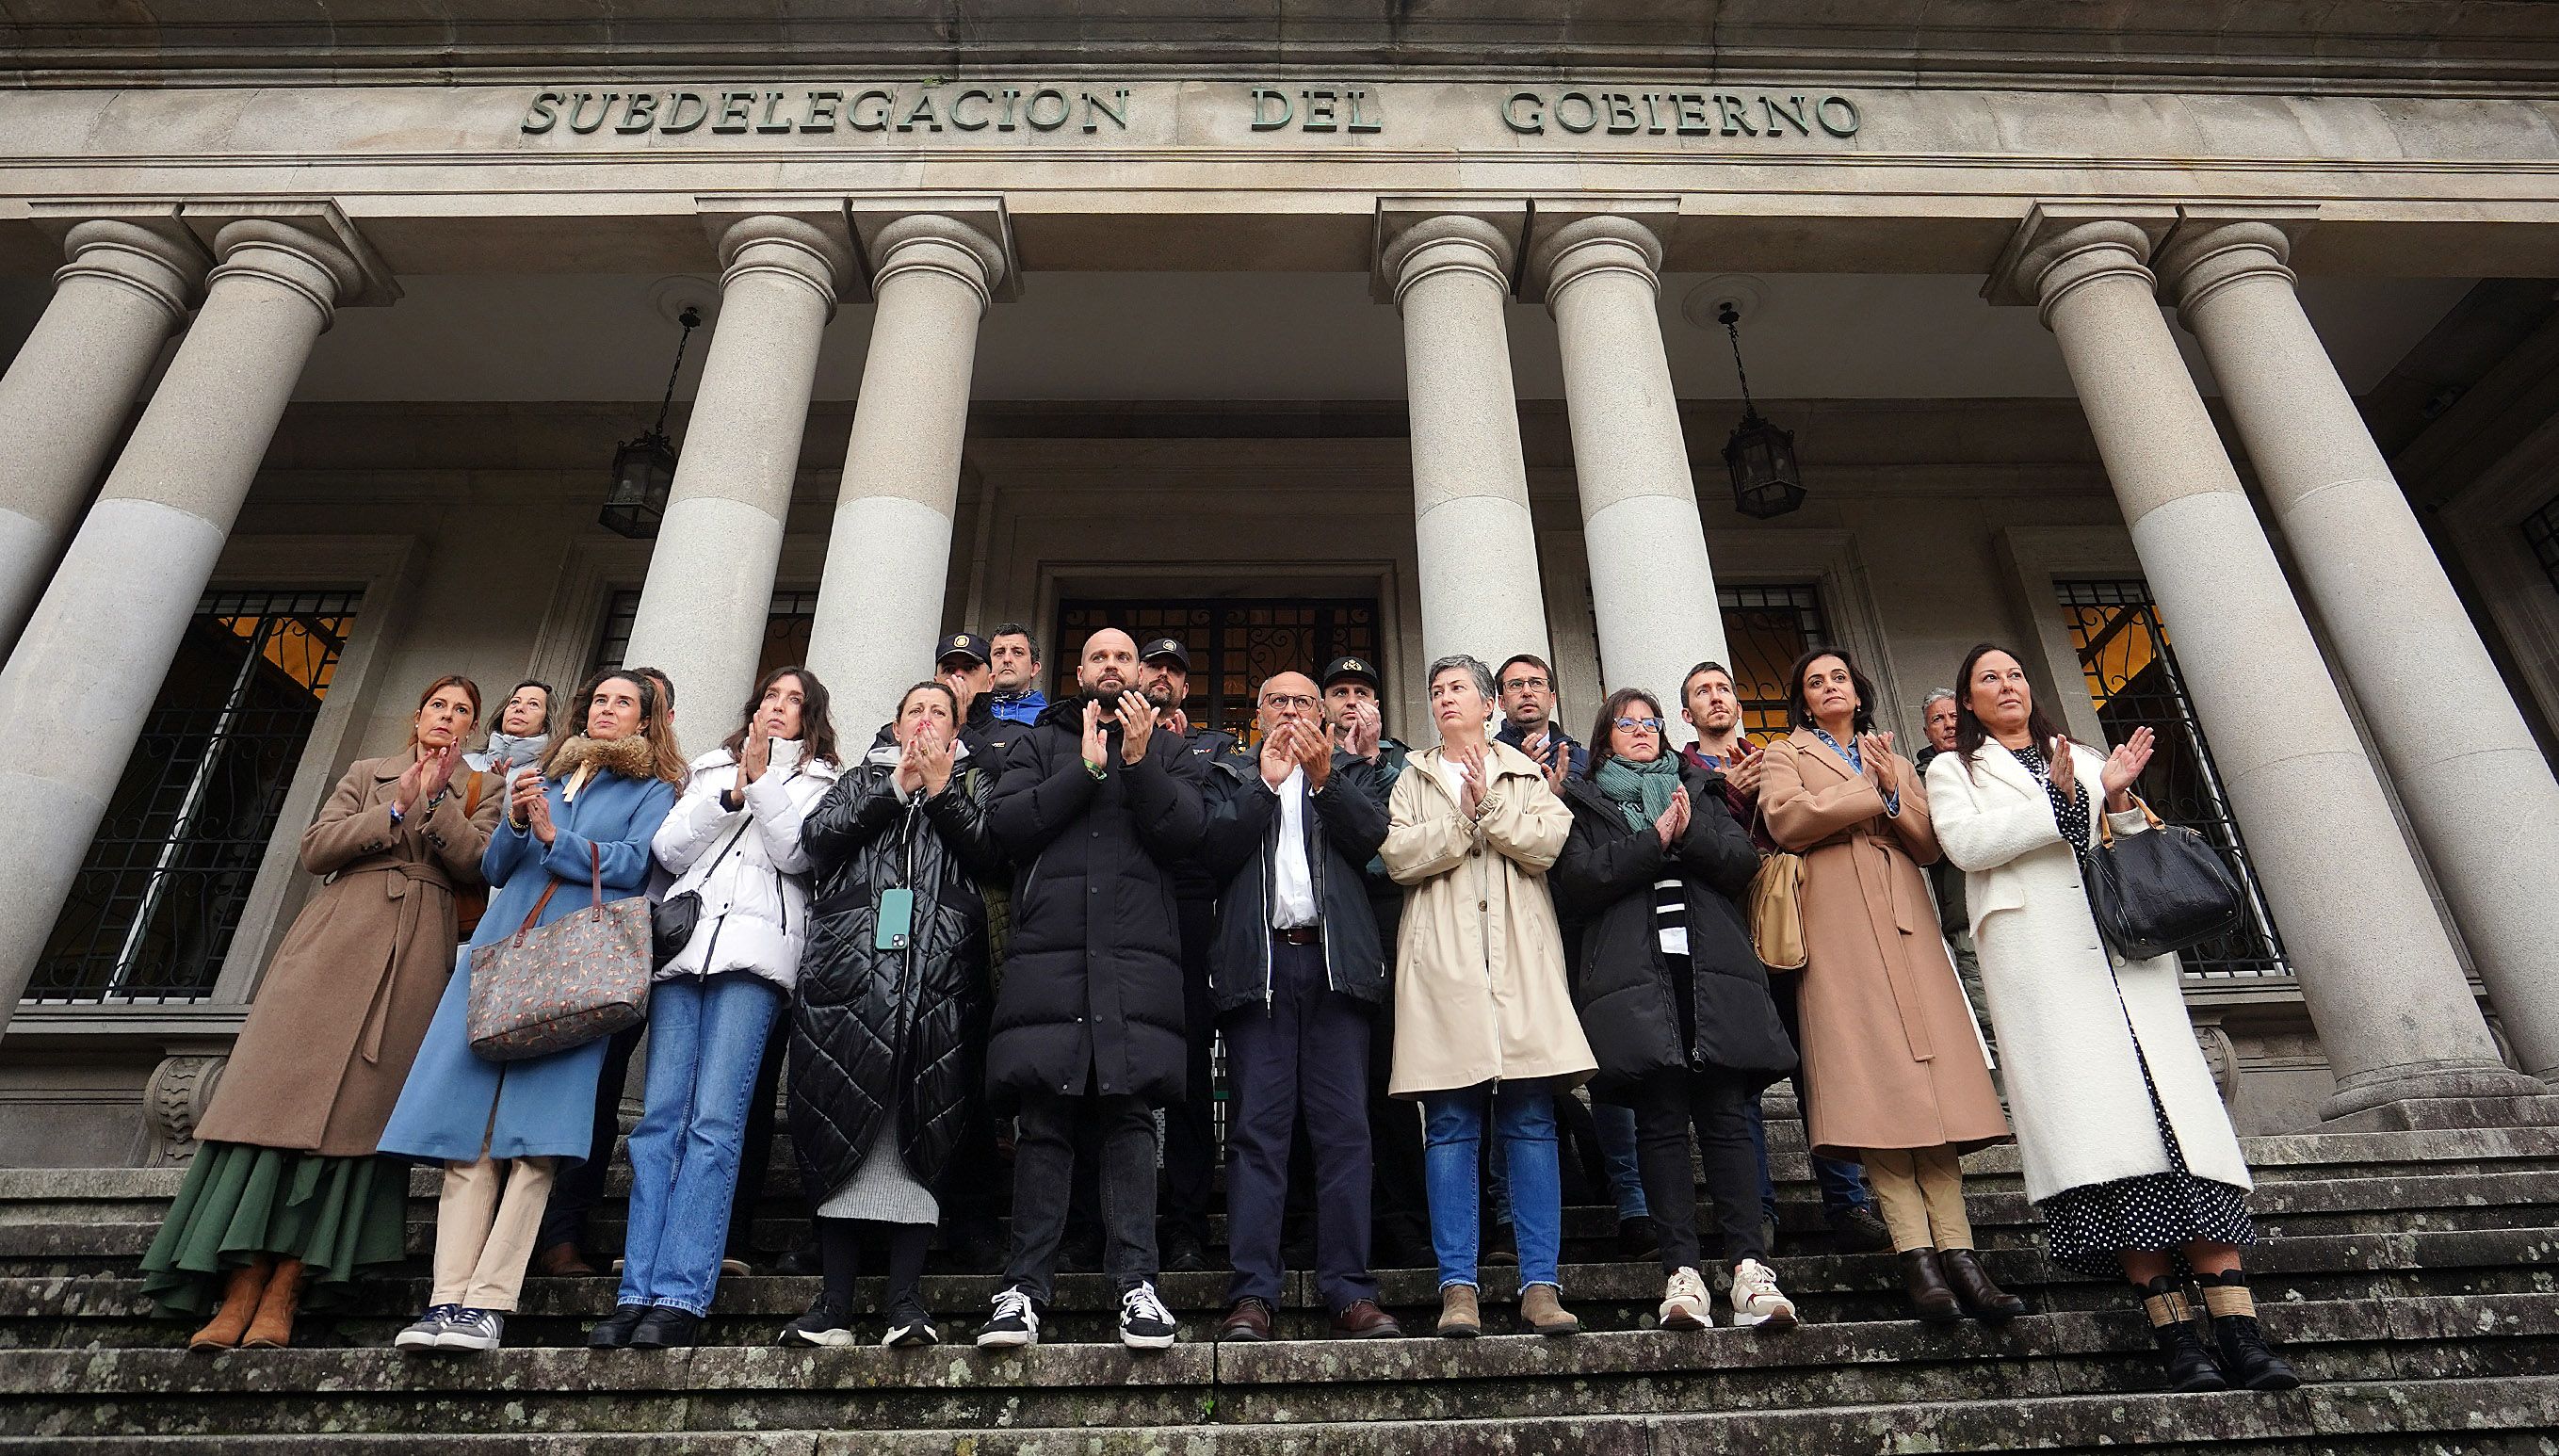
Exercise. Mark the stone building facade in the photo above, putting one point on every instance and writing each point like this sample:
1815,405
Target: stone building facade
2216,366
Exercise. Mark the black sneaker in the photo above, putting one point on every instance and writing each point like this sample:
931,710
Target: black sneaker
824,1324
1183,1253
1858,1231
1145,1323
909,1327
1013,1324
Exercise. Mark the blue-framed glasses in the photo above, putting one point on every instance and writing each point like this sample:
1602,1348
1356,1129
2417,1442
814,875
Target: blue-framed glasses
1653,723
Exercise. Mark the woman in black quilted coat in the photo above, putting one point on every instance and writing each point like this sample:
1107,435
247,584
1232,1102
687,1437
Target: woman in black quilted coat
885,1033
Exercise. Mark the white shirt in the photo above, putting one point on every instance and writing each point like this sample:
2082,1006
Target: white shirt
1292,883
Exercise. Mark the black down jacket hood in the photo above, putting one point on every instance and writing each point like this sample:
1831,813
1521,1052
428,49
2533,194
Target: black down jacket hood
872,1030
1093,979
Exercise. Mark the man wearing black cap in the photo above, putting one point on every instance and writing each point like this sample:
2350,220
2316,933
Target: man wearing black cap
1190,1128
1399,1221
959,664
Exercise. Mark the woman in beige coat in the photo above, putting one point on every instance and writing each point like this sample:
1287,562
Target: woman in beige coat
1484,1027
285,1200
1889,1044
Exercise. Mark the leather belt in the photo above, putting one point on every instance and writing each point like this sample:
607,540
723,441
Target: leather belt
1299,935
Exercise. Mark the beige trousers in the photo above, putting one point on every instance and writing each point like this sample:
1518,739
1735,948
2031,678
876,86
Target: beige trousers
484,1239
1920,1194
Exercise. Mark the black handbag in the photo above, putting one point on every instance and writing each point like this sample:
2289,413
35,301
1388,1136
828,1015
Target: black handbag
2156,893
673,920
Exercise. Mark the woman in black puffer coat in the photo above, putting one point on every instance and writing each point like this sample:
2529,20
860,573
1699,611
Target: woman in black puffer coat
1672,996
885,1067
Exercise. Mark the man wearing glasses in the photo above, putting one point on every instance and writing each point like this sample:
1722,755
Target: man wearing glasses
1527,687
1297,973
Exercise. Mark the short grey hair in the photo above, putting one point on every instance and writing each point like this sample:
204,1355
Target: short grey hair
1474,668
1934,694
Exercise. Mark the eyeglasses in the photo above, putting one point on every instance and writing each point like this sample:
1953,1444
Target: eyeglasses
1654,724
1537,683
1289,703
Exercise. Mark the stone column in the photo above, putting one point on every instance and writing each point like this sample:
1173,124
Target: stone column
2393,1011
1448,274
888,557
75,694
130,282
702,611
2475,786
1651,586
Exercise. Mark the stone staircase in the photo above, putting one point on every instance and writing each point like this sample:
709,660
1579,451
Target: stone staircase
2412,1276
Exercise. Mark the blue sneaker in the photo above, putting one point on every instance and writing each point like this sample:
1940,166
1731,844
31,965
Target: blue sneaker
429,1328
472,1330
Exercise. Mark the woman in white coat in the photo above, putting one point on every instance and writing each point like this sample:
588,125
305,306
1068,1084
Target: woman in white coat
2129,1153
734,844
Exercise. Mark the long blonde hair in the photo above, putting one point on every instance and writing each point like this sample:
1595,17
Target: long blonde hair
666,761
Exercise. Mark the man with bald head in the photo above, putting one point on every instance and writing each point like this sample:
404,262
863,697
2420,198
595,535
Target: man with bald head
1296,972
1095,809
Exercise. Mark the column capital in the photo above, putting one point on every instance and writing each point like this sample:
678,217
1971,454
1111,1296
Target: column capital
810,243
142,247
1477,235
2214,244
1571,241
2061,245
969,239
307,245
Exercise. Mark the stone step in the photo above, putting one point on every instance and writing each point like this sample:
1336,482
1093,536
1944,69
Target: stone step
2476,1416
50,1395
59,1243
26,1194
110,1312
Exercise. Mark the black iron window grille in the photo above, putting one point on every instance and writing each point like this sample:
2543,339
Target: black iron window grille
159,897
1233,643
2132,675
1767,627
786,633
2541,534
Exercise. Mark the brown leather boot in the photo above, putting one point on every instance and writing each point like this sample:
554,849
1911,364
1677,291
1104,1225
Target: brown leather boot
1542,1310
239,1304
1930,1299
1980,1298
273,1328
1459,1316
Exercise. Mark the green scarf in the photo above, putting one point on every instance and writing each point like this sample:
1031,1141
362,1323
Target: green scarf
1641,791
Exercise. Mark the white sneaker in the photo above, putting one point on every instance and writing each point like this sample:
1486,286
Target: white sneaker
1014,1323
1144,1322
1756,1300
1684,1302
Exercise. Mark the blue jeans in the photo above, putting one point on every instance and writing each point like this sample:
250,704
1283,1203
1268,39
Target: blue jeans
1452,1137
706,1042
1842,1184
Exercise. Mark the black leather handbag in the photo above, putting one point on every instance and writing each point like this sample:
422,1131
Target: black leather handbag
2164,891
673,920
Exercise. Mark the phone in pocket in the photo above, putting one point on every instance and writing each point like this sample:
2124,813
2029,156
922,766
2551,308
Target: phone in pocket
895,922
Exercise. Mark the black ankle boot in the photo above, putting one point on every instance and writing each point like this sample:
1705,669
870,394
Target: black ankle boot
2188,1365
2246,1358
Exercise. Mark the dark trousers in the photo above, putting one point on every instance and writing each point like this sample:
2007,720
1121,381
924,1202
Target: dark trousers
1400,1202
576,1192
1190,1125
1665,1107
755,1154
1303,1055
1842,1184
1044,1137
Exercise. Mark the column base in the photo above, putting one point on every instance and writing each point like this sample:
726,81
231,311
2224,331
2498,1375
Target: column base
2440,1094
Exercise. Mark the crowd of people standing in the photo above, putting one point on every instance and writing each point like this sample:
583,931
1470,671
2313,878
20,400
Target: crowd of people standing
1009,920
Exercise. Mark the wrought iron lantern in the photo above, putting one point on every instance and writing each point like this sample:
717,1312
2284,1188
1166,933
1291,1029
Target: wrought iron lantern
1760,456
644,467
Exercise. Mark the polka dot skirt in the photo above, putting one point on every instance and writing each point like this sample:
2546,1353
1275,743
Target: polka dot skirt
2085,1227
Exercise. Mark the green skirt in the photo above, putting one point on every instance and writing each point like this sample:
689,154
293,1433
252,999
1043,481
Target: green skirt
338,1216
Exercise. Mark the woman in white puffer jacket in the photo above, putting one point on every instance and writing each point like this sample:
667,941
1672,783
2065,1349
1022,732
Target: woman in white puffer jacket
732,843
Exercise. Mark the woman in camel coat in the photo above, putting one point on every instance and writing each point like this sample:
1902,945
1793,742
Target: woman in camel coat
285,1200
1901,1082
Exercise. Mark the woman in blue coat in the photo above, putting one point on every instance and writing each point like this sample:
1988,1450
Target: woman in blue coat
503,1129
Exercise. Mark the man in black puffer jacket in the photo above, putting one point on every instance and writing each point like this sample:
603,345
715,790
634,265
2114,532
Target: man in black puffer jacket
1095,809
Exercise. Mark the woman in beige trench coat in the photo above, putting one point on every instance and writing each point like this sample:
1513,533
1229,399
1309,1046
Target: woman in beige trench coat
1486,1034
1887,1042
285,1198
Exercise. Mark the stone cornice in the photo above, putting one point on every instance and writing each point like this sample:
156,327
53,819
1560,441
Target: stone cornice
2377,45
